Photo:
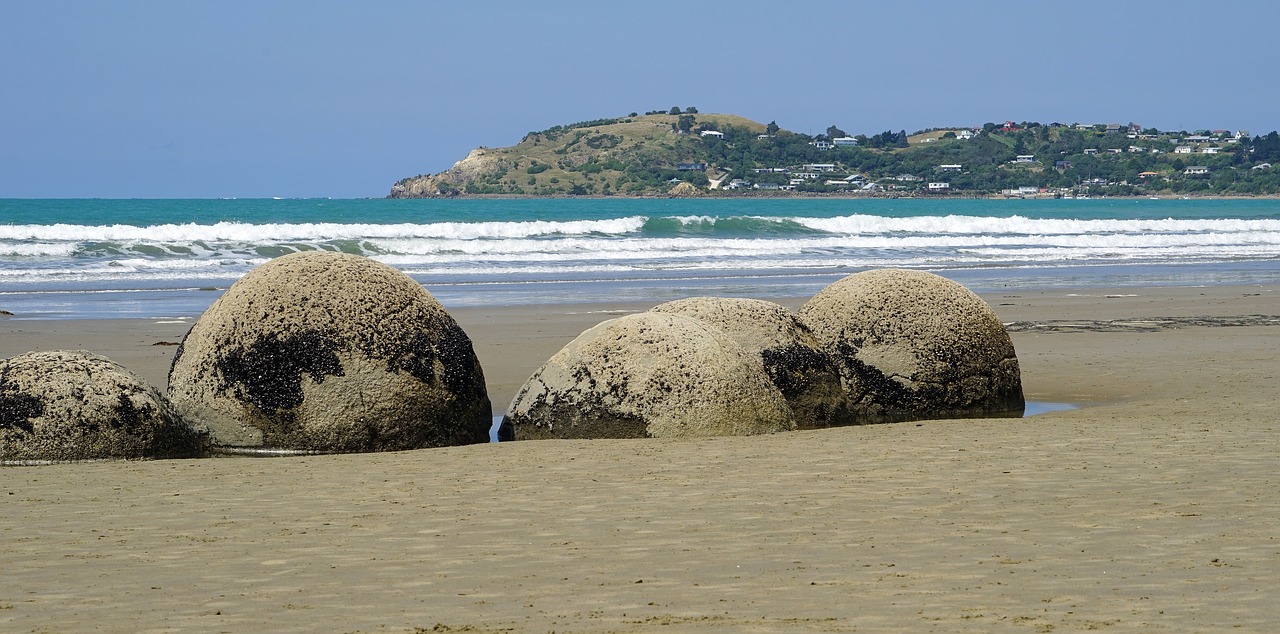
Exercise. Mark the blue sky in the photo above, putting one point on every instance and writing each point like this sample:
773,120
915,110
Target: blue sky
316,98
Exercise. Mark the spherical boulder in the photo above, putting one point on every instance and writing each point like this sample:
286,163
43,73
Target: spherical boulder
649,375
794,359
912,345
330,352
74,405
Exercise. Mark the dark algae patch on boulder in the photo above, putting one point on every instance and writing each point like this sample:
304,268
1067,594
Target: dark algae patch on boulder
75,405
331,352
912,345
649,375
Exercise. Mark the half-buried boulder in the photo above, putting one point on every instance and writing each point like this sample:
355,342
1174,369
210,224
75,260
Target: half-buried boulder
912,345
66,405
649,375
324,351
794,359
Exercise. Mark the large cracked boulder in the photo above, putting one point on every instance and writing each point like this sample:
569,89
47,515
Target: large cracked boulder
913,345
67,405
793,358
649,375
324,351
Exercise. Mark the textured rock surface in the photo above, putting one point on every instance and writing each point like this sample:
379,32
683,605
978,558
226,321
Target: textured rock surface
793,357
649,374
327,351
75,405
913,345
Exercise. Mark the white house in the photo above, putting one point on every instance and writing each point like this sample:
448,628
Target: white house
1195,170
1182,149
1209,150
1091,150
820,167
1261,166
964,135
844,141
939,187
715,134
1025,158
821,145
949,167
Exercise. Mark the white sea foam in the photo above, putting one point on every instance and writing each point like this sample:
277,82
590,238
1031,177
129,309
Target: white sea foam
224,250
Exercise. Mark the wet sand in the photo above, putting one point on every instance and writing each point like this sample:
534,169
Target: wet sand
1154,507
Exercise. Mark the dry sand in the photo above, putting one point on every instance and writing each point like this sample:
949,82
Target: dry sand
1154,508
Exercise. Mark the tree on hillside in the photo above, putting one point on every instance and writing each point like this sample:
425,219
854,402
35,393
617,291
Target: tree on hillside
691,110
835,133
674,110
685,123
772,128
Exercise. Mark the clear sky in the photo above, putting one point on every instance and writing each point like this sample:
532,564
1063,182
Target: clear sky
264,98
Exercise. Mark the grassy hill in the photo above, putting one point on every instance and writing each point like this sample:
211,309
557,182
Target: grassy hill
720,154
631,155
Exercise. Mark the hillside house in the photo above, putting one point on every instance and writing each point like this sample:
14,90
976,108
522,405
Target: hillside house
948,167
1025,158
1148,174
1209,150
821,145
1092,150
715,134
1196,170
691,167
844,141
964,135
1182,149
939,187
820,167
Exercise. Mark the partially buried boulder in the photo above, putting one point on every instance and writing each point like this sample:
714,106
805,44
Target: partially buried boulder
649,375
794,359
324,351
75,405
912,345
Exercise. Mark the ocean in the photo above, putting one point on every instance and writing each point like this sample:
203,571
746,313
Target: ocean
91,258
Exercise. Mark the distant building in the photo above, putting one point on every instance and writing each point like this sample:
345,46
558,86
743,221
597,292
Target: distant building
844,141
691,167
939,187
1196,170
964,135
712,133
1025,158
1062,165
1182,149
949,167
821,145
820,167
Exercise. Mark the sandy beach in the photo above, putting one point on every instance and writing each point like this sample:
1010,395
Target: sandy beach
1152,507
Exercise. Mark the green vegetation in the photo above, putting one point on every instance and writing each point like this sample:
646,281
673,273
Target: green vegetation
730,155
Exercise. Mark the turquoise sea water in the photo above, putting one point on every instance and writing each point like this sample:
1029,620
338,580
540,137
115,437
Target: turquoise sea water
148,258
